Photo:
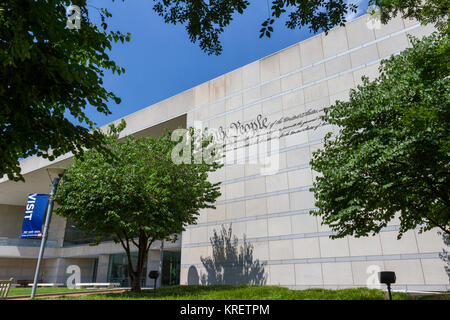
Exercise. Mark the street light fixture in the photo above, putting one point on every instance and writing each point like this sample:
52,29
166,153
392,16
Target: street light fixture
387,278
55,175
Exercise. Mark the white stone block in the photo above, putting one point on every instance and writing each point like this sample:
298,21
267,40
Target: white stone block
311,50
235,171
300,178
252,112
341,83
298,157
391,245
255,207
201,93
395,24
392,45
234,190
290,59
235,210
282,274
255,186
337,273
233,81
407,271
333,247
250,74
270,89
234,102
309,274
335,42
279,226
280,249
316,92
276,182
434,272
301,200
431,241
365,246
314,73
278,203
364,55
270,67
358,33
272,106
199,235
291,82
251,96
293,99
306,248
260,251
304,223
257,228
337,65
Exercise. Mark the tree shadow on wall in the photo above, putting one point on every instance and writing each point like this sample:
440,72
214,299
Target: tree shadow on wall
230,263
444,255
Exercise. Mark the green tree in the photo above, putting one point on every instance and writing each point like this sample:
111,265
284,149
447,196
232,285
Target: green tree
392,155
430,11
206,20
139,196
48,71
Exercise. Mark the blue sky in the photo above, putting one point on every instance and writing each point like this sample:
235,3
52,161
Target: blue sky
160,61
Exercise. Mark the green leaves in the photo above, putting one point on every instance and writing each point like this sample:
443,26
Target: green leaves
266,28
392,155
138,189
47,71
135,194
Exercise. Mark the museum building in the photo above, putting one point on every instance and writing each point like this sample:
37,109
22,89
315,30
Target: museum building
265,199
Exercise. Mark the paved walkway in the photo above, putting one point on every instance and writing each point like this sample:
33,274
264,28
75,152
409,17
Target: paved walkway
70,294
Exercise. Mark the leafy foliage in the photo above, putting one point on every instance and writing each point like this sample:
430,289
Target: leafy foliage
392,155
430,11
48,71
136,197
206,19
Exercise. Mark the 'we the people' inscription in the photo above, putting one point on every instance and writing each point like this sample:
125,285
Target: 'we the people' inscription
258,141
285,125
254,142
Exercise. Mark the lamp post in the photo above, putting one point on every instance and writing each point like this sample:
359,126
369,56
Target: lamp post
161,255
55,174
387,277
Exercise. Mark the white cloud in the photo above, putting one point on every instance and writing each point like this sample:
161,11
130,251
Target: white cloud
352,15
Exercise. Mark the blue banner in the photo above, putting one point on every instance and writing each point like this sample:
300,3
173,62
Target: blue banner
34,215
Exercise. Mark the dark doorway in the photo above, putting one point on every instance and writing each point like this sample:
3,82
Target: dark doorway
171,268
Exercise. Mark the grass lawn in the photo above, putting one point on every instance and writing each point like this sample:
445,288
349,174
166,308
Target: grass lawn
246,293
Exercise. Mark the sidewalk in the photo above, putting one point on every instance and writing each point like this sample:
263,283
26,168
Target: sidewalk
71,294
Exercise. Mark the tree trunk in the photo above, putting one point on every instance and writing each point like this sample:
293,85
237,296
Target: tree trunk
136,276
136,282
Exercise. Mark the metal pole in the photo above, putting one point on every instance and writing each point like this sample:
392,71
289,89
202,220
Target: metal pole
44,235
160,263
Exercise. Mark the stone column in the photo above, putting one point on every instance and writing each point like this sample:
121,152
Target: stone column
102,268
152,264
